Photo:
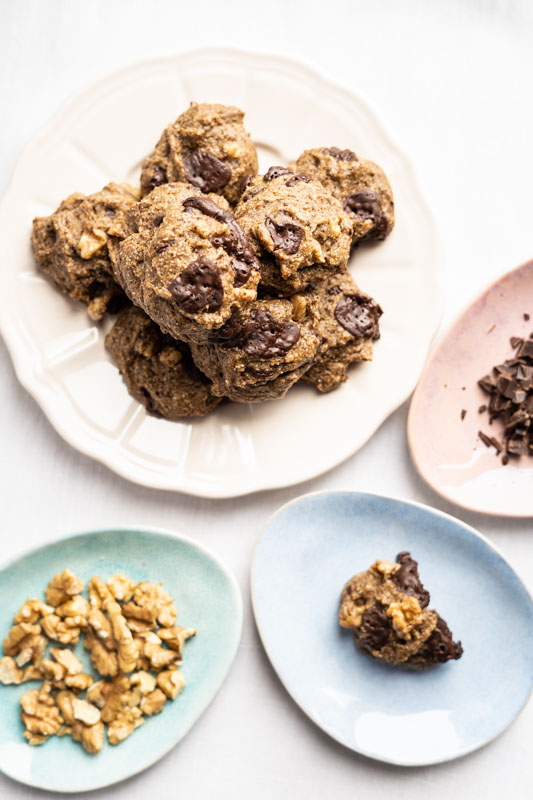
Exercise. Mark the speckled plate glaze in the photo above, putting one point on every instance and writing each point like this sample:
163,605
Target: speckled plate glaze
206,596
59,354
311,547
445,449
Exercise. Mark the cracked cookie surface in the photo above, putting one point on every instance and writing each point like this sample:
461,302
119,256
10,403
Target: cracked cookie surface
360,185
298,229
187,263
158,370
75,245
206,146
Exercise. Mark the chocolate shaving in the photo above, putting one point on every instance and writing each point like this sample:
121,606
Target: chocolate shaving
511,401
463,414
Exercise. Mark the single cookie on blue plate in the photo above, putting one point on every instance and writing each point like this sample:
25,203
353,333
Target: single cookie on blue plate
386,607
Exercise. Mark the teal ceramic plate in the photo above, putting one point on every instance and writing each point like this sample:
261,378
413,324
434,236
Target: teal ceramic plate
308,551
207,598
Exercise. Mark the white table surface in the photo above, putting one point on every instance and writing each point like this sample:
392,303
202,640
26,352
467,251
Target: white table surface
453,81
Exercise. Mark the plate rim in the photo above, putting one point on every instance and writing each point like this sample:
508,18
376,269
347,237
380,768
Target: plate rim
80,437
411,413
308,713
237,599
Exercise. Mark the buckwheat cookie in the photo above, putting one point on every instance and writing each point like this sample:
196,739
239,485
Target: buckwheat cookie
260,356
158,370
386,607
347,321
73,245
298,229
208,147
360,185
187,263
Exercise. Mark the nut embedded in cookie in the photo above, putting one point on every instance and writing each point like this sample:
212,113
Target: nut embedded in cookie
74,246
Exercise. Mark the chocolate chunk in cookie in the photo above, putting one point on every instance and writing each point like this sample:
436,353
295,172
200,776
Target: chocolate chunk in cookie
205,171
198,286
359,315
285,235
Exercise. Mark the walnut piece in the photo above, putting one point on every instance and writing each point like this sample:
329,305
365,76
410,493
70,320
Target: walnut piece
67,659
172,682
9,672
85,712
31,648
123,725
404,615
39,713
176,637
62,587
65,631
32,611
153,702
121,587
15,636
90,736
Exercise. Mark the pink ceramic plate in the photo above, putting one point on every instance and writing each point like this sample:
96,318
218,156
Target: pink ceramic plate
446,449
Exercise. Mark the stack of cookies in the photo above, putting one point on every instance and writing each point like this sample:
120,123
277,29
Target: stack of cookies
228,284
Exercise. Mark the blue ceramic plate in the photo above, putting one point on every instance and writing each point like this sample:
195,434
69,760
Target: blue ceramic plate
308,551
207,598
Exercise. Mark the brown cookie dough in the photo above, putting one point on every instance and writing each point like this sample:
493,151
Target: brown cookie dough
346,320
74,244
187,263
298,229
360,185
158,370
208,147
386,608
260,356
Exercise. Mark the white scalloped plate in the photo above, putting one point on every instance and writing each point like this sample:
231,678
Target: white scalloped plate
59,356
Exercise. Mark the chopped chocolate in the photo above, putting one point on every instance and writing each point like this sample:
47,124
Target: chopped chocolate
375,627
275,172
359,315
482,408
286,235
526,317
198,287
511,401
340,155
463,414
205,171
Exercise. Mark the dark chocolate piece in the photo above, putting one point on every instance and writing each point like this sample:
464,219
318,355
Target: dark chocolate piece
463,414
359,315
236,244
440,646
275,172
407,579
198,287
159,176
262,335
340,155
205,171
367,205
286,235
301,176
375,627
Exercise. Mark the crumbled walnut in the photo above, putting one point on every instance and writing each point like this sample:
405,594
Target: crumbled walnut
171,681
123,725
52,671
76,606
103,660
35,739
102,628
32,673
153,702
39,713
170,356
144,680
138,626
176,637
85,712
90,736
9,672
116,694
404,615
150,603
121,587
65,631
385,568
64,701
127,647
160,657
79,682
16,635
67,659
32,611
299,306
62,587
31,648
65,730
